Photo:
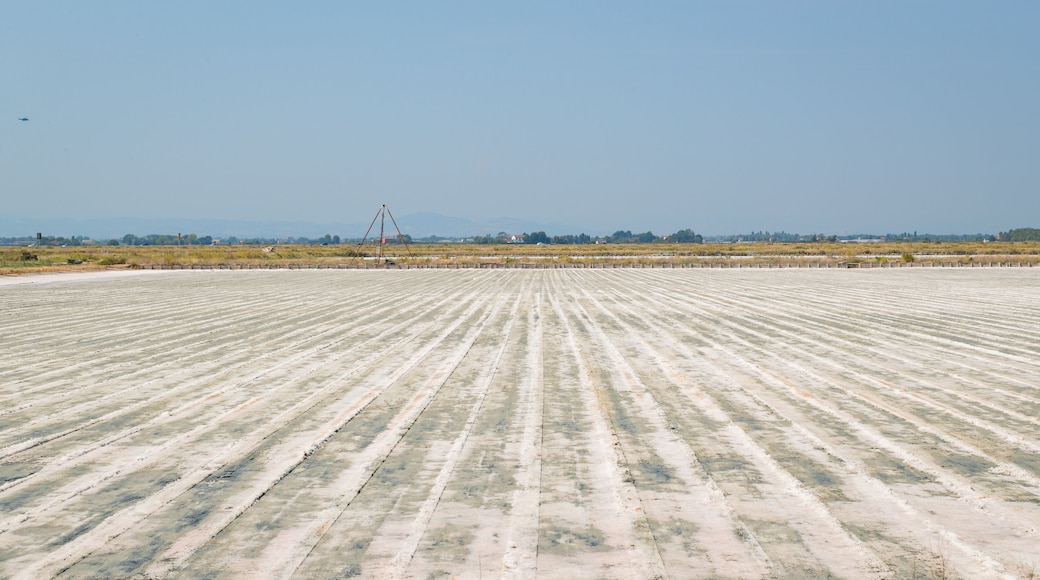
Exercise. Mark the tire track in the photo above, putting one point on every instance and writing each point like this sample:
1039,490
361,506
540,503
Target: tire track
353,480
399,565
959,487
520,557
643,550
122,521
888,388
78,486
849,556
527,422
770,319
225,368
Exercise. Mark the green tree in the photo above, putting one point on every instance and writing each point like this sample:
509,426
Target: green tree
536,238
686,236
1021,235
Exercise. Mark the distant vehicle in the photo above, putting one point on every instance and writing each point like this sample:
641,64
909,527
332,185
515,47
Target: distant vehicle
23,118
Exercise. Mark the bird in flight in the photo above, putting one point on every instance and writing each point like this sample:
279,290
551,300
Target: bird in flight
23,118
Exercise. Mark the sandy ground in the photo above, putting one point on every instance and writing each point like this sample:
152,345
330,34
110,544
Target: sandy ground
519,423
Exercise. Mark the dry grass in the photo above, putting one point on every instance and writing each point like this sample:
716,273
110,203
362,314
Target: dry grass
102,257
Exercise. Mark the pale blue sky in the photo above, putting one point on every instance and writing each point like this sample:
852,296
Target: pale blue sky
723,116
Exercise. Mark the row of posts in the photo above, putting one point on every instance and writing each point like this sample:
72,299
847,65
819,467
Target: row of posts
571,265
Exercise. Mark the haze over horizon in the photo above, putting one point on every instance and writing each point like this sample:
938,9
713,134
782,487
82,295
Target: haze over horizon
720,116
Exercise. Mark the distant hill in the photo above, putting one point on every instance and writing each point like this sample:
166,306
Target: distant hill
109,228
416,225
432,224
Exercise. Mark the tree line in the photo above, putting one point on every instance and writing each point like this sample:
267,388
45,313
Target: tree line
1021,235
684,236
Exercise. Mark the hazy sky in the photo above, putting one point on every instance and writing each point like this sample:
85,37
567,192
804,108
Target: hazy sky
832,116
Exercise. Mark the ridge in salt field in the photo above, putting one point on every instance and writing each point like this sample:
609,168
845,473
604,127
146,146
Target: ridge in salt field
521,423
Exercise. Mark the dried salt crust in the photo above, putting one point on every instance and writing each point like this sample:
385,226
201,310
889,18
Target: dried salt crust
614,423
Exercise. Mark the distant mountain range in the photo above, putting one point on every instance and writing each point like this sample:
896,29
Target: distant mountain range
417,225
432,224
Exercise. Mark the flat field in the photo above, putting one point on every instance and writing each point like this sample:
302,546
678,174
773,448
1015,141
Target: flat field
93,258
484,423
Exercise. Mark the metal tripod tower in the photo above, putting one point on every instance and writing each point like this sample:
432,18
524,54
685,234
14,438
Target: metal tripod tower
381,214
